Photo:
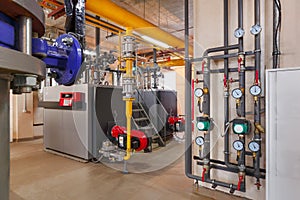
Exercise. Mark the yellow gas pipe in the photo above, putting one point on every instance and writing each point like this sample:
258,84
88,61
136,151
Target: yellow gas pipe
128,100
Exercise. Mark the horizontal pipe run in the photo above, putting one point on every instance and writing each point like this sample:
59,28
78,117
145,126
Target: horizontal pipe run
213,182
218,49
216,71
233,164
232,170
221,57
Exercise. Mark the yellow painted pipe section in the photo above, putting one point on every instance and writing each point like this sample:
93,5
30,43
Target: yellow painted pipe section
129,74
128,117
114,13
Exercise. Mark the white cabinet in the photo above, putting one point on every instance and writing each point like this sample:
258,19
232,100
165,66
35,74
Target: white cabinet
283,134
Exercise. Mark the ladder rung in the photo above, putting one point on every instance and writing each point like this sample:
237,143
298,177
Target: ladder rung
141,119
137,110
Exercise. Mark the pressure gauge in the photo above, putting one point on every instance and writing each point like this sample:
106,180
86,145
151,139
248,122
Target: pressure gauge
198,92
238,145
254,146
256,29
238,33
255,90
237,93
199,140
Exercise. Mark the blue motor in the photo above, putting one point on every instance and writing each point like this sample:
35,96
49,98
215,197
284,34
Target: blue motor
64,57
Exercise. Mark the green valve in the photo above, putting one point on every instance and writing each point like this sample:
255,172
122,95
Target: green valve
203,123
241,126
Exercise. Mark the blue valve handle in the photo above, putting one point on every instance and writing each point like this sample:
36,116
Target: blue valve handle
64,58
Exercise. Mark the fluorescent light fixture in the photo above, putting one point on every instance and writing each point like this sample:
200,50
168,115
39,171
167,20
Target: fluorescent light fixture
156,42
89,52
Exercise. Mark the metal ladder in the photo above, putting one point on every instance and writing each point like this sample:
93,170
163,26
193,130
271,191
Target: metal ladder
143,123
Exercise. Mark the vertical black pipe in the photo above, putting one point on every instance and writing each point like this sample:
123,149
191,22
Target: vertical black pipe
97,37
226,74
188,99
257,104
242,84
155,69
206,112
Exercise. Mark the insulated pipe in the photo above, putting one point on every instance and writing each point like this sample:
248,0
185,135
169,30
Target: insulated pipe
109,10
257,103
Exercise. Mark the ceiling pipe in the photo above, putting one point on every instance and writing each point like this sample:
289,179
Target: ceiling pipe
114,13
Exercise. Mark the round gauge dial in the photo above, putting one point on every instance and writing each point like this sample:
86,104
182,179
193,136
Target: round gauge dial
237,93
254,146
256,29
199,140
255,90
238,33
238,145
198,92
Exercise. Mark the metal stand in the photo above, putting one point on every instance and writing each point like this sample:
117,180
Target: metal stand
4,139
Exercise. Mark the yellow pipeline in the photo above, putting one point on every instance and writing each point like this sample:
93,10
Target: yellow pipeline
129,63
114,13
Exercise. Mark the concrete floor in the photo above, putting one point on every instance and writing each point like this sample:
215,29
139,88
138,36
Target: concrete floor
38,175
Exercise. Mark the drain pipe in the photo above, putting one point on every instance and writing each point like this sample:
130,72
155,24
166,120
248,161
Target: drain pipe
242,107
257,99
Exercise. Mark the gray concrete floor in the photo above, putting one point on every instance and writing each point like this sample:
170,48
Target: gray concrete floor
38,175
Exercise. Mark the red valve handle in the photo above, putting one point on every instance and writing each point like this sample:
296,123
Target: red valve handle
256,77
239,63
203,64
240,182
225,81
203,174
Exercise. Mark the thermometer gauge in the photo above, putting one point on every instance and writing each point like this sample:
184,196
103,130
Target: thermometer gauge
255,90
256,29
254,146
199,140
198,92
238,33
238,145
237,93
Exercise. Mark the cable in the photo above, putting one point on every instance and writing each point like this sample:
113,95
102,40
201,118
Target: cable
276,52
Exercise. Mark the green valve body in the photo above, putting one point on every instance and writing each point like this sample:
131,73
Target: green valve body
241,126
203,123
